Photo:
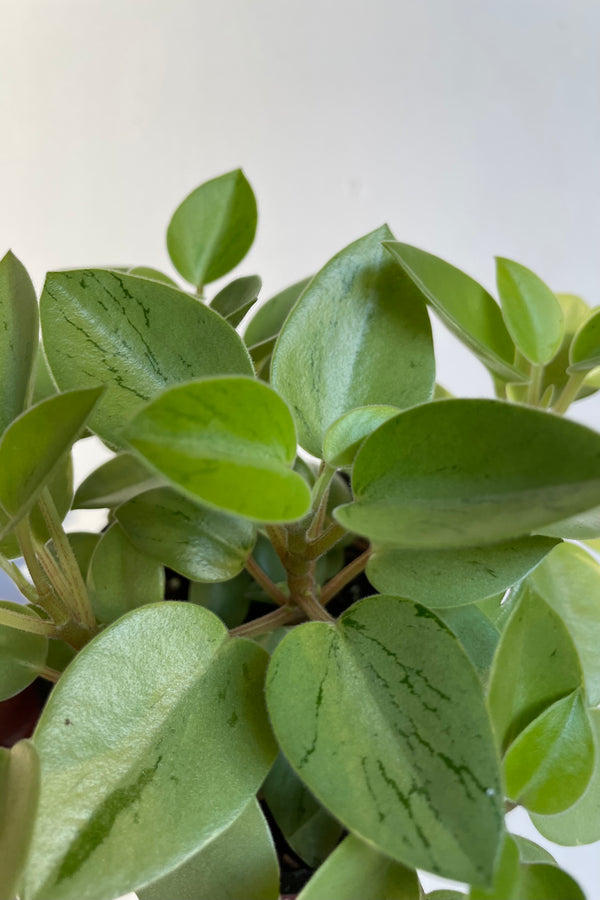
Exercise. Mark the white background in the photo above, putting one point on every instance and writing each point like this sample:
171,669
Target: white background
471,126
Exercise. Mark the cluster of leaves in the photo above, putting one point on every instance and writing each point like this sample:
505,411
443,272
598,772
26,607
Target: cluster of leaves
389,739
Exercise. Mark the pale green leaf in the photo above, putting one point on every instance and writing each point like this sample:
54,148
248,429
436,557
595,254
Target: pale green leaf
153,274
114,482
21,653
344,437
267,320
530,852
532,313
584,353
19,793
476,634
18,337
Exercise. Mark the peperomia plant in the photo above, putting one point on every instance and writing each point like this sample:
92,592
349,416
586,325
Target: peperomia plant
382,612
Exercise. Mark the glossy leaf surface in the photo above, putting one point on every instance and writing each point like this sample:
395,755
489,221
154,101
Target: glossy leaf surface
446,578
356,871
19,793
121,577
358,336
383,717
200,543
18,337
463,305
268,319
535,665
114,482
240,864
234,301
585,349
549,765
135,335
459,473
228,442
213,229
21,653
344,437
159,719
532,313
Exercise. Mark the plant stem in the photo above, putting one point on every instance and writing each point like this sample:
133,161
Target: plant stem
285,615
344,577
47,599
277,536
268,586
326,541
535,383
320,500
15,574
46,672
569,392
31,624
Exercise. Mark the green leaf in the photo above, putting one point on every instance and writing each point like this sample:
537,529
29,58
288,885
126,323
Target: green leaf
542,881
19,790
134,335
359,335
464,307
267,320
228,442
445,578
569,581
121,577
535,665
18,337
154,274
532,313
530,852
577,528
183,738
43,384
463,473
200,543
506,875
383,717
114,482
234,301
34,445
475,633
240,864
213,229
580,824
21,653
575,312
228,600
344,437
549,765
308,828
355,871
585,348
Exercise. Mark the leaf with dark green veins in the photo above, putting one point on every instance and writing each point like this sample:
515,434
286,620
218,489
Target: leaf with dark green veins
228,442
506,875
461,473
569,581
476,634
356,871
532,313
228,600
160,718
18,337
358,336
154,274
543,881
21,653
580,824
19,790
267,320
308,828
535,665
114,482
344,437
240,863
234,300
213,228
463,305
445,578
585,348
34,445
383,717
135,335
121,577
549,765
200,543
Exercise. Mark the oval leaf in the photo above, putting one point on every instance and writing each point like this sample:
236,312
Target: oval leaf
532,313
383,718
585,349
213,229
463,306
21,654
229,600
358,336
18,337
344,437
460,473
229,442
200,543
183,738
267,320
19,789
234,301
575,312
135,335
116,481
542,881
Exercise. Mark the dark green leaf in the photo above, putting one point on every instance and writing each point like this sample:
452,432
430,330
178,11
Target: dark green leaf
234,301
19,790
18,337
116,481
21,654
240,864
228,442
135,335
585,348
356,871
344,437
383,717
444,578
459,473
228,600
200,543
267,320
506,875
358,336
532,313
542,881
160,719
463,305
213,229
